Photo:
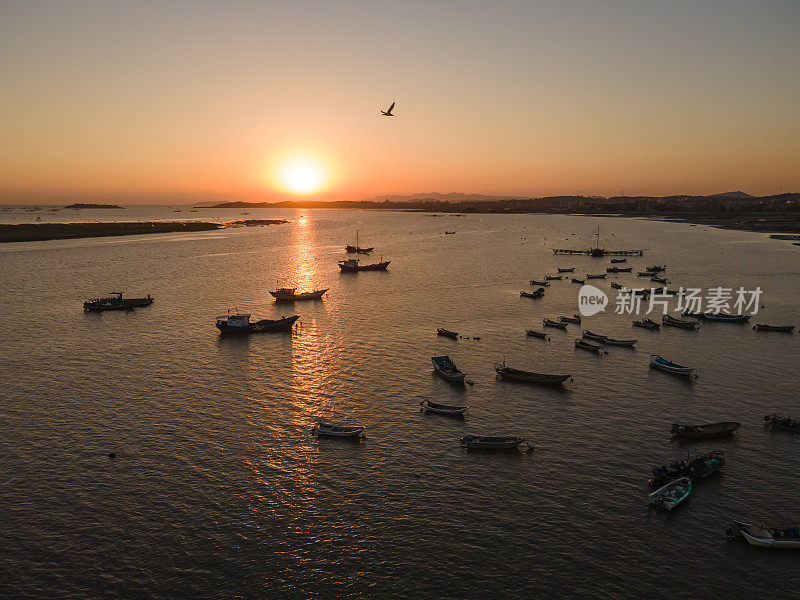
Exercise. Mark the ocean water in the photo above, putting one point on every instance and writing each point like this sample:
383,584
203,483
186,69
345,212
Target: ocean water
218,490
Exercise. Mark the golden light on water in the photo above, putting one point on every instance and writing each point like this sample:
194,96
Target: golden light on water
302,174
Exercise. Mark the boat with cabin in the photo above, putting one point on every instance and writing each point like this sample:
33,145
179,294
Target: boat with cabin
505,372
116,301
351,265
291,294
447,369
705,432
672,494
240,323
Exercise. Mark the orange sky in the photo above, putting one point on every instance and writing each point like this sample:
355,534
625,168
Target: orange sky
148,100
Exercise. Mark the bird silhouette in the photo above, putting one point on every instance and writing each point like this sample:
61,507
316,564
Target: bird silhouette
388,113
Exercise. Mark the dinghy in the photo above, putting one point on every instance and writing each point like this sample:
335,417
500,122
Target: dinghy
659,362
581,281
705,432
556,324
450,334
673,322
787,423
618,260
570,270
647,324
593,336
584,345
505,372
535,294
554,277
447,369
672,494
538,334
534,282
625,343
723,318
781,328
763,536
575,318
601,276
332,430
484,442
619,269
655,279
442,409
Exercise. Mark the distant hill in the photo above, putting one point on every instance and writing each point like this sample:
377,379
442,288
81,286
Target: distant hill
736,194
452,197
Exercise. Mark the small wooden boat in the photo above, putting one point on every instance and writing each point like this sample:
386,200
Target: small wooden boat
673,322
584,345
291,295
705,432
723,318
534,294
593,336
505,372
787,423
659,362
657,269
782,328
619,269
601,276
554,277
573,319
450,232
556,324
537,334
647,274
647,324
616,286
446,333
544,283
484,442
332,430
447,369
694,467
672,494
570,270
694,315
655,279
764,536
581,281
351,265
625,343
442,409
618,260
241,324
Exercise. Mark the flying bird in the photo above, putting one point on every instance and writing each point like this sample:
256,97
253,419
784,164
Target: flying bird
388,113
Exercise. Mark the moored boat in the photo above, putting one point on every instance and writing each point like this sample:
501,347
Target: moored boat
625,343
659,362
534,294
764,536
647,274
485,442
656,279
446,333
618,260
705,432
447,369
442,409
115,301
619,269
569,270
584,345
781,328
351,265
544,283
333,430
600,276
351,249
505,372
241,324
657,268
693,467
575,318
616,286
593,336
787,423
724,318
554,277
537,334
556,324
673,322
290,294
672,494
647,324
581,281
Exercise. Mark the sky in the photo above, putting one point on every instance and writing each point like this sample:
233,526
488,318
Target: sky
271,101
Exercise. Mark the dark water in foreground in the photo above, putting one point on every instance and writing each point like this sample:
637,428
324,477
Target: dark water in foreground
219,491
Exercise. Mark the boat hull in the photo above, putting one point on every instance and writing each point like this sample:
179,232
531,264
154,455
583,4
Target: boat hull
315,295
381,266
263,326
530,377
705,432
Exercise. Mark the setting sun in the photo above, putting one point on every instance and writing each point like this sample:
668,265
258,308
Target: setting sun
301,175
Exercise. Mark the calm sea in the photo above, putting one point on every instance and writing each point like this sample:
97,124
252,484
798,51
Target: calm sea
218,490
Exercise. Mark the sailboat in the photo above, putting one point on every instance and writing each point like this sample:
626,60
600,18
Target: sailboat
597,250
357,249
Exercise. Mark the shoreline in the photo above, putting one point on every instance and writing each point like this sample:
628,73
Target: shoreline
40,232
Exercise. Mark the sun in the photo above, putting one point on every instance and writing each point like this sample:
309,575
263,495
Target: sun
301,175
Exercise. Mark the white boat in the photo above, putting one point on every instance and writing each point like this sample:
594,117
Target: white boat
442,409
659,362
333,430
767,537
672,494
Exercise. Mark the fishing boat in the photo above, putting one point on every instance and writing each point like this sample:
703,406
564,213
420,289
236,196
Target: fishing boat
445,367
351,265
446,333
690,313
537,334
115,301
657,269
616,286
693,467
442,409
594,336
705,432
787,423
342,431
350,249
556,324
601,276
647,324
647,274
241,324
450,232
673,322
618,260
724,318
625,343
534,294
535,282
656,279
619,269
573,319
584,345
505,372
782,328
764,536
659,362
485,442
554,277
581,281
672,494
569,270
290,294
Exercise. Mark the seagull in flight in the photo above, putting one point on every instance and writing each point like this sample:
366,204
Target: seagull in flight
388,113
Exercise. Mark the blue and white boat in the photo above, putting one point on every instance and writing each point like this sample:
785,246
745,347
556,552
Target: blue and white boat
241,324
659,362
447,369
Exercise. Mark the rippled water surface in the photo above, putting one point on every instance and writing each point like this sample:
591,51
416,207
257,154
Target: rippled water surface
218,490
